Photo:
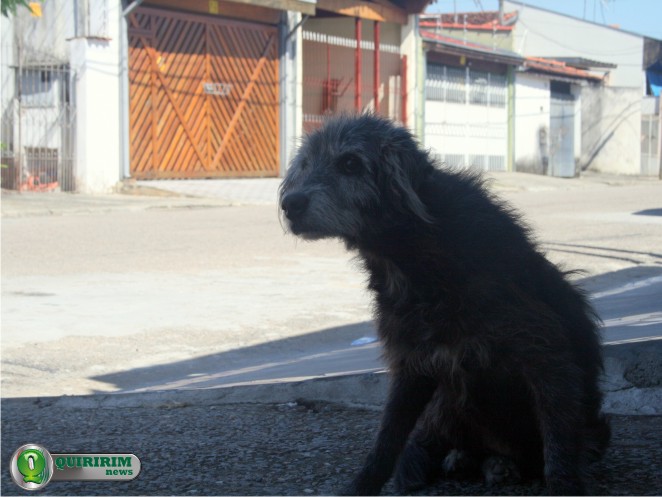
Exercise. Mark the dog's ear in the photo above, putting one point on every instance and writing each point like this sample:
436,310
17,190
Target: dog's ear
401,174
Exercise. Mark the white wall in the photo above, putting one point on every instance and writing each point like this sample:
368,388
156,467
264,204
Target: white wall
539,32
44,38
532,107
96,65
410,46
576,91
7,77
291,108
611,130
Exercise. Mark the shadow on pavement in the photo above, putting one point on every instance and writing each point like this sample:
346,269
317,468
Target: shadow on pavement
649,212
614,279
321,353
629,308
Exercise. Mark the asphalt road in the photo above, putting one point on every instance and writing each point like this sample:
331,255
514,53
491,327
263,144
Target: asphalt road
104,294
271,449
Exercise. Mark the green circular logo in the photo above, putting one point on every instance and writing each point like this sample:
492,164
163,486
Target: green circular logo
31,467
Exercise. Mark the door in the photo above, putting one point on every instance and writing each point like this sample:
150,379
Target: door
562,136
203,96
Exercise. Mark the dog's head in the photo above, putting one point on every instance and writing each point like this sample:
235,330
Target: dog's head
352,178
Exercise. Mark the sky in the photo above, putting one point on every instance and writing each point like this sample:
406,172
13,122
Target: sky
639,16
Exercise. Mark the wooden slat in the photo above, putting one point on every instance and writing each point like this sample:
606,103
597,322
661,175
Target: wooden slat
152,54
242,104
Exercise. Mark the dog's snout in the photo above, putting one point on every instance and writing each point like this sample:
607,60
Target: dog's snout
294,204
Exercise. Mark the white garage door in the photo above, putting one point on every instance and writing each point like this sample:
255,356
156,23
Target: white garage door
466,117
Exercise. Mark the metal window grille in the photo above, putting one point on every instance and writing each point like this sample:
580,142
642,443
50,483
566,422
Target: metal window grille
38,115
329,79
461,85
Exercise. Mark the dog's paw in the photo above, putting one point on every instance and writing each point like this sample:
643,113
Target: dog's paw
348,490
499,470
414,469
361,486
565,486
458,463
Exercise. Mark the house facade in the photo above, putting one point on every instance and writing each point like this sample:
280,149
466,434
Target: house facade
469,113
96,92
549,117
598,73
612,124
490,108
192,89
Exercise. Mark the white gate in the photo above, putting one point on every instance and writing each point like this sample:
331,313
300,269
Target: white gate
466,117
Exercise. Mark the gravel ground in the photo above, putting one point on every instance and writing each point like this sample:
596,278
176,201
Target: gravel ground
270,449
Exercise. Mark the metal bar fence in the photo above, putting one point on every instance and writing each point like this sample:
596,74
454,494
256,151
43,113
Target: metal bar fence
330,83
38,112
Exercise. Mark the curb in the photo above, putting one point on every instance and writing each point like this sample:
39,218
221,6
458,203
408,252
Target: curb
633,377
632,384
360,390
66,204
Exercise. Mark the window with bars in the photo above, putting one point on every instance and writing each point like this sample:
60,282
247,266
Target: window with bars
37,89
464,85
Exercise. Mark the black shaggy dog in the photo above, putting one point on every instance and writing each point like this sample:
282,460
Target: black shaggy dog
494,355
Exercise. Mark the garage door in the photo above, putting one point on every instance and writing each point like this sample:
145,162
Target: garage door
203,96
466,118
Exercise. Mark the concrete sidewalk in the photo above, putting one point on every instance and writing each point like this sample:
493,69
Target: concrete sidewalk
264,190
145,195
177,194
239,191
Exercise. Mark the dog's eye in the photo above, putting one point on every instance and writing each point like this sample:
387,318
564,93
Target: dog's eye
350,164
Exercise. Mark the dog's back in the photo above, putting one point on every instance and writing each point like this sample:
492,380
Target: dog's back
490,309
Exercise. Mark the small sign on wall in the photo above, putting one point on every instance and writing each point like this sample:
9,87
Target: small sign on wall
35,9
220,89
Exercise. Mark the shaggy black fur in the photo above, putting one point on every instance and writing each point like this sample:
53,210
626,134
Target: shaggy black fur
494,354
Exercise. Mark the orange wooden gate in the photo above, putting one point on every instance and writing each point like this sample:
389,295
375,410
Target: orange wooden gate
203,96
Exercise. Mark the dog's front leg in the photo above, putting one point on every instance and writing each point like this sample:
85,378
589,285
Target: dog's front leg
408,396
557,397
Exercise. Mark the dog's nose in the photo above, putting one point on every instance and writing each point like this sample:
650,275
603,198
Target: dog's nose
294,204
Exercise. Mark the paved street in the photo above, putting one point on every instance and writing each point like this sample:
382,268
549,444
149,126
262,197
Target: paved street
271,449
124,293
